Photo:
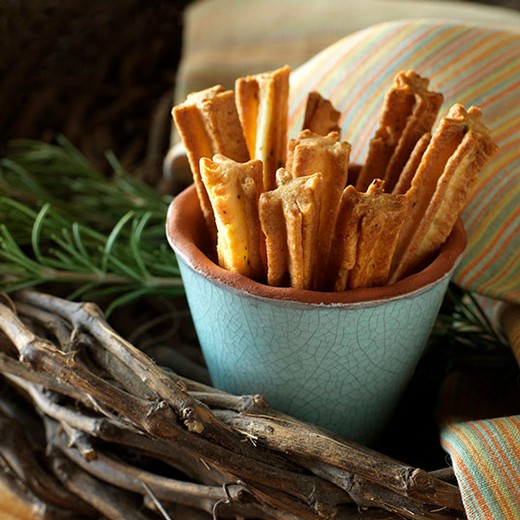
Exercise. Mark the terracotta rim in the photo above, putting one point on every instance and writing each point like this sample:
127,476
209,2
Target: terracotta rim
186,233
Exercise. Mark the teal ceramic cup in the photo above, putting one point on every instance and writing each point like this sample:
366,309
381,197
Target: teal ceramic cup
338,360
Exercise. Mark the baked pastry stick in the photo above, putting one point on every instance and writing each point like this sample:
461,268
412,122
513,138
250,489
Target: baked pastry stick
342,258
381,221
409,111
208,124
320,115
442,186
312,153
234,190
366,234
262,104
289,216
410,168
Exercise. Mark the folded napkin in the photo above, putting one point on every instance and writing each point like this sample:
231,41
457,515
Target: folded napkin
481,432
486,456
474,66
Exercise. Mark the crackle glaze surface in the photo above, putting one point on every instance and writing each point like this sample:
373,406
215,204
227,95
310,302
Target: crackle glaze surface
340,367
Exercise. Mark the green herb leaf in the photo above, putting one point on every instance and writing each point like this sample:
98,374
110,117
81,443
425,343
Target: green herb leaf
64,222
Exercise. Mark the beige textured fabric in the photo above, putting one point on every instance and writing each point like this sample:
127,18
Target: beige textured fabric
225,39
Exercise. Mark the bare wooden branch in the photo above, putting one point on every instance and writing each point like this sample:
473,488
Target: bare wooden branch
131,478
196,417
112,502
285,434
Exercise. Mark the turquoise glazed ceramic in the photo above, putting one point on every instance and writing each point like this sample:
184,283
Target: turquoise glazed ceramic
338,360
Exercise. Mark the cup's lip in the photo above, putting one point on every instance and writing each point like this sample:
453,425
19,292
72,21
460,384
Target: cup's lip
185,227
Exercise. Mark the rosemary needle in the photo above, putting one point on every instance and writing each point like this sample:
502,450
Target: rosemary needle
65,222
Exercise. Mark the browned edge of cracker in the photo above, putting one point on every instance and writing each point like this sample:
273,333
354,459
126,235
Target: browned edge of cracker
247,98
410,169
234,190
320,116
190,126
272,221
342,255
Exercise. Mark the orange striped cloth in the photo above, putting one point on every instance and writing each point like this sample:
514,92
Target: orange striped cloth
473,66
468,64
486,469
482,435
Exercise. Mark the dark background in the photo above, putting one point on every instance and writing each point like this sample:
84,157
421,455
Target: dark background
101,72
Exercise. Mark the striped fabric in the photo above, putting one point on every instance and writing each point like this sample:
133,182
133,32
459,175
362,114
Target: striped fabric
486,467
226,39
481,432
468,64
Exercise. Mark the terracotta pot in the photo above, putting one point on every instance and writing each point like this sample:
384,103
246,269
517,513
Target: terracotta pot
336,359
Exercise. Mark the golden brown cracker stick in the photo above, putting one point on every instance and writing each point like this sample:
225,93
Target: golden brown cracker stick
442,146
289,216
272,221
366,233
262,103
381,222
421,121
325,154
234,191
342,256
442,186
409,111
208,124
410,168
320,115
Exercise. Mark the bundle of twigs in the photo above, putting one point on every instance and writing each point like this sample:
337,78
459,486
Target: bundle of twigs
117,434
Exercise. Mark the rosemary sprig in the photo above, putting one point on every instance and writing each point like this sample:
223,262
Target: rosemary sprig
64,222
35,172
463,320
